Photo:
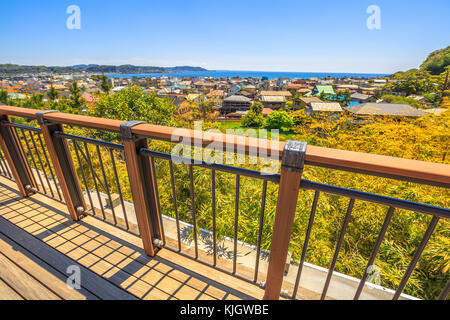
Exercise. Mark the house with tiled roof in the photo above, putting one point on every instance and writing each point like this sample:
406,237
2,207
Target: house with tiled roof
395,110
331,110
305,102
325,89
273,102
235,103
358,98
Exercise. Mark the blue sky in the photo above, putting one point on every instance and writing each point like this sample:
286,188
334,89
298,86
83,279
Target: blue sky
282,35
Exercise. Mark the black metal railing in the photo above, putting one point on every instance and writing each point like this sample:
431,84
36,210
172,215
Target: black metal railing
437,213
127,185
38,160
82,146
103,192
213,168
5,171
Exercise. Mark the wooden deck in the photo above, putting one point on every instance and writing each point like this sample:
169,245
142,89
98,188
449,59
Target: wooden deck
39,242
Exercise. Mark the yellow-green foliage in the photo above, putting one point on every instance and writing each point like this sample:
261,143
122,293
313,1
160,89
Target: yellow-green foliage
423,139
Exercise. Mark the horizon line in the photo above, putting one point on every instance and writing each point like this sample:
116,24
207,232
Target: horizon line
206,70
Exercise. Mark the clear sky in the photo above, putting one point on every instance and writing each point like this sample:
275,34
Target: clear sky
275,35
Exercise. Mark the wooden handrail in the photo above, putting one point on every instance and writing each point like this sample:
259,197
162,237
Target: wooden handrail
427,172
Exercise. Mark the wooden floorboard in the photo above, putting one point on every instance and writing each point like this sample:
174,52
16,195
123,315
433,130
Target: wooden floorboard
37,268
8,293
19,280
42,228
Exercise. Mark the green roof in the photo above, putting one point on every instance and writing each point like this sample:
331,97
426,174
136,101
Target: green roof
325,89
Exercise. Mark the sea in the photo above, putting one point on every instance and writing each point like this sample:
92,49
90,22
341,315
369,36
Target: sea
252,74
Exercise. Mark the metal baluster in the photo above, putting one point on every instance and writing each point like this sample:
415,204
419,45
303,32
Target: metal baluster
157,199
338,248
77,152
213,200
99,181
102,167
41,163
32,158
191,177
381,235
305,244
416,257
119,189
7,167
50,167
175,205
89,161
261,224
3,171
236,222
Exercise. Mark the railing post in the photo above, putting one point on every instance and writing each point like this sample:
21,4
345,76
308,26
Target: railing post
291,172
59,152
143,191
12,148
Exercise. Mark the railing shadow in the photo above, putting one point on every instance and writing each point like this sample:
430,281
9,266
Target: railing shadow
125,264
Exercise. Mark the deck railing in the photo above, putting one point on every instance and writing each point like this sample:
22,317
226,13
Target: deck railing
50,161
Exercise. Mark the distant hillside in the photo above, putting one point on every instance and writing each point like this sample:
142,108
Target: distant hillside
93,68
437,61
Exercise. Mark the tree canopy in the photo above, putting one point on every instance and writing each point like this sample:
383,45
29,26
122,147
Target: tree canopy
437,61
133,104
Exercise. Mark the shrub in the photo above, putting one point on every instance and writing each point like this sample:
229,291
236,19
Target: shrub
279,120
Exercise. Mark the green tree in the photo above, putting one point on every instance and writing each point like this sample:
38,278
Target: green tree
205,107
105,86
36,101
76,101
133,104
257,107
52,93
413,82
437,61
254,118
279,120
3,96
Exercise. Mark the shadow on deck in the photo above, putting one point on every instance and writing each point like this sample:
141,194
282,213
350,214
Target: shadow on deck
40,246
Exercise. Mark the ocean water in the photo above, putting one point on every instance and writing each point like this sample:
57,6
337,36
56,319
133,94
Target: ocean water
253,74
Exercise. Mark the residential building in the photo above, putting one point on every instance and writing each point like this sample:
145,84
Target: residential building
395,110
273,102
235,103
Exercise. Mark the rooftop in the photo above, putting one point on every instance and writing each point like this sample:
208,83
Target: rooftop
273,99
237,98
326,107
386,109
276,93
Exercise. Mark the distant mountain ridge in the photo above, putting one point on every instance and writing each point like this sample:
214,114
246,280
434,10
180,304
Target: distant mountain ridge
94,68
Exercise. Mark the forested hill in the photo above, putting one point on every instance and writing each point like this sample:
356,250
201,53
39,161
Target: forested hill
437,61
93,68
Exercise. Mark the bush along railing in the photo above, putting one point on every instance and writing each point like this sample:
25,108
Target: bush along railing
86,173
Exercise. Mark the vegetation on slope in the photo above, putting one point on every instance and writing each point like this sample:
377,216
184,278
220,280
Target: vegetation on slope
437,61
423,139
92,68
